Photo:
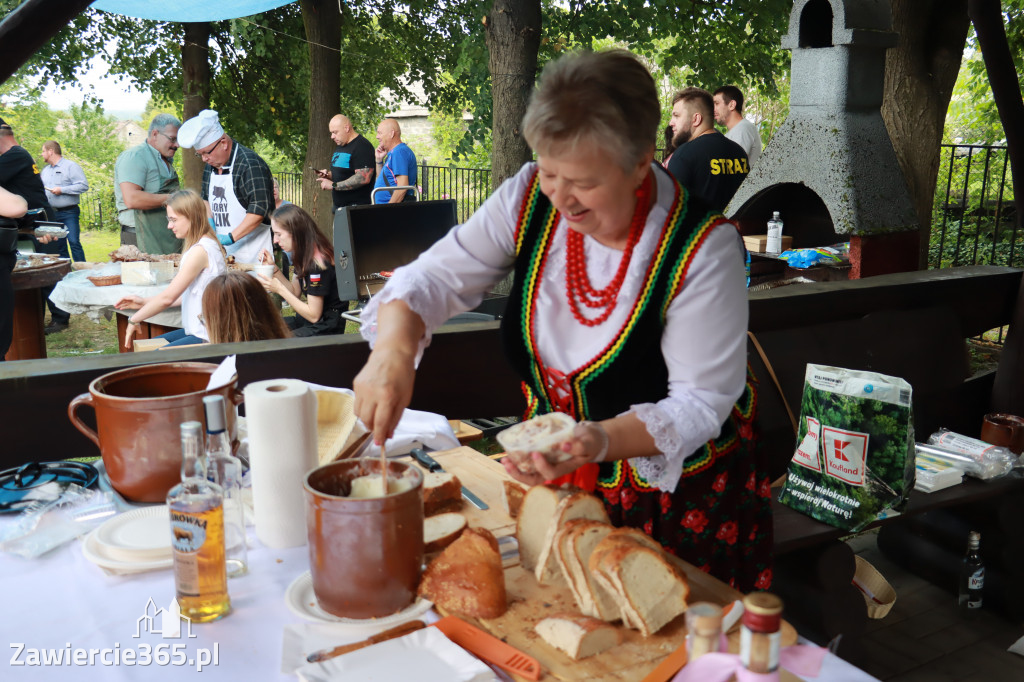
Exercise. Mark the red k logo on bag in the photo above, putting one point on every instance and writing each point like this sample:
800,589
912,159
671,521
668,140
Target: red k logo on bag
845,454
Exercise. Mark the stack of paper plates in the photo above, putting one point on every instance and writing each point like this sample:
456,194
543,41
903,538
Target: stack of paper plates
138,540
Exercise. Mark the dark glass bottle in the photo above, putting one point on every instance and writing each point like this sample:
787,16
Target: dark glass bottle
972,574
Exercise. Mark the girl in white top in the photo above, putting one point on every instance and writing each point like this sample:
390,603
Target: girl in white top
203,260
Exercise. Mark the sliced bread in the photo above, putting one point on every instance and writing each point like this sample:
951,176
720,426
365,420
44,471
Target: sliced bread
607,586
466,578
442,492
441,530
579,636
579,505
575,547
654,591
535,514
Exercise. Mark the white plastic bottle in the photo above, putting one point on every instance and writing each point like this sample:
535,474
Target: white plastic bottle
774,242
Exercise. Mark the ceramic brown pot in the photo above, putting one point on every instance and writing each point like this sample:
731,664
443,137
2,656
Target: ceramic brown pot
1006,430
139,412
365,555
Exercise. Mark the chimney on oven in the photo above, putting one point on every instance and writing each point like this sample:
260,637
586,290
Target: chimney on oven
830,169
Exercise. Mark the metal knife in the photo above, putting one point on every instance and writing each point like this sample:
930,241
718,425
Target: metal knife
432,465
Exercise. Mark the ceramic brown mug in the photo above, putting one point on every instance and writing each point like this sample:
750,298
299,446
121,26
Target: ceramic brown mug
139,412
1006,430
365,554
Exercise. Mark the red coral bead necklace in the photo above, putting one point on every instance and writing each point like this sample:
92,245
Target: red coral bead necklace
577,282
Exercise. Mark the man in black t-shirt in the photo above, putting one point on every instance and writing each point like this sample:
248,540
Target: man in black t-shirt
20,175
708,164
352,165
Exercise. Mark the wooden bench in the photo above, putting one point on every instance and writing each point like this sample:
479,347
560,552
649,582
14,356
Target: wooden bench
911,325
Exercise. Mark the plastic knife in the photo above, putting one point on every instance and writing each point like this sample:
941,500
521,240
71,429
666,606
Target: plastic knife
432,465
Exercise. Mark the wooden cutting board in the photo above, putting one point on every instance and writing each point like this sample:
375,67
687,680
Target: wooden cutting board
530,602
484,477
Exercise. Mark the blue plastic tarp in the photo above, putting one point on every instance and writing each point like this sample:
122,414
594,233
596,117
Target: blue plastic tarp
188,10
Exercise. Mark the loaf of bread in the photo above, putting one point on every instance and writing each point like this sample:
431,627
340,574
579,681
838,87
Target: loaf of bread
578,505
512,494
466,578
441,530
535,514
442,492
651,591
579,636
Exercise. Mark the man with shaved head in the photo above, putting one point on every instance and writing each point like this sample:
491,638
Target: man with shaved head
396,164
352,164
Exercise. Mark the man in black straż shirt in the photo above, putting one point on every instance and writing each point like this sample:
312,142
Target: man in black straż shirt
705,162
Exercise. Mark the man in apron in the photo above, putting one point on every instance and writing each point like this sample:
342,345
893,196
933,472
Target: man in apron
237,185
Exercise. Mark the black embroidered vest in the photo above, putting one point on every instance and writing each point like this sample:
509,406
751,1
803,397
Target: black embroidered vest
631,368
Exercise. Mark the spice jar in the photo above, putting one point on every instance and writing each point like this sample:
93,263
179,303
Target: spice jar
704,625
760,632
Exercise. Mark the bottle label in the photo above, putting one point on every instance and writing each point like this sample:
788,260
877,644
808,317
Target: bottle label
761,649
977,580
188,532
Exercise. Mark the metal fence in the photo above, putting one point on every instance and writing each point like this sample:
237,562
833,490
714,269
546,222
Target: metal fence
974,220
468,186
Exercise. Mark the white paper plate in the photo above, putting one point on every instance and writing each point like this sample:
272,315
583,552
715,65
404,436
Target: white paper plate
301,599
139,535
97,553
425,656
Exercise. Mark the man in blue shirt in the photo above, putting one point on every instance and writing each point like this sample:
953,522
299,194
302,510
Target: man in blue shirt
64,181
396,164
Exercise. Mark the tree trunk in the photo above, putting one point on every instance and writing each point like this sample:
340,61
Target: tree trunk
1008,391
987,18
919,76
513,38
323,31
195,85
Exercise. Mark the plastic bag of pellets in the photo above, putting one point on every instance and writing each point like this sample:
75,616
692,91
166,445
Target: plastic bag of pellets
854,460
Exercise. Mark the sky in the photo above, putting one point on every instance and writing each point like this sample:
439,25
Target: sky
120,99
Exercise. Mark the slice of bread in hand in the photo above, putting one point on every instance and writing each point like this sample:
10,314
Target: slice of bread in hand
579,505
442,492
579,636
466,578
535,516
441,530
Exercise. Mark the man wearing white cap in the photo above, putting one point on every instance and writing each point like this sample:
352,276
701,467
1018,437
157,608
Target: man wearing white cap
237,185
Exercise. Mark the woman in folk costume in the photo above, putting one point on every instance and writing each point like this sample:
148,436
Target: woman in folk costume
629,312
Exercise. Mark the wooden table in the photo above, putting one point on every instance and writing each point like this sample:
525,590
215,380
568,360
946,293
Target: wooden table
29,341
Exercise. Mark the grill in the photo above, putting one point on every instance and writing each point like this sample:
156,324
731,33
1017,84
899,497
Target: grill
830,169
371,241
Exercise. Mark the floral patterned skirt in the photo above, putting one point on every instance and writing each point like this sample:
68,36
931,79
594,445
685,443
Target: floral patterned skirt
719,518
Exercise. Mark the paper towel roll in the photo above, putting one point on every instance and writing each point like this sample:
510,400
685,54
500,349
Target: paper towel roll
281,420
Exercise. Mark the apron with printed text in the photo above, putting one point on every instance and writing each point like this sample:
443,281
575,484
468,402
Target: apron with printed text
228,213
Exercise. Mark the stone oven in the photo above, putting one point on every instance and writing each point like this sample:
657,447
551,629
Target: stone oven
830,169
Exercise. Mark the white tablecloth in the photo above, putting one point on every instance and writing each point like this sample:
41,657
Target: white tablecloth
77,295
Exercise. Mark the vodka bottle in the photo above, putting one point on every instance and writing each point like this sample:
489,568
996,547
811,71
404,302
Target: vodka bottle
197,534
972,574
225,470
774,242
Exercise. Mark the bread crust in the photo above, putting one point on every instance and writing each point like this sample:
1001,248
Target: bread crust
466,578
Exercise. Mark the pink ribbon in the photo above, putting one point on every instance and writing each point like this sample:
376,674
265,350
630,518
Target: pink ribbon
803,660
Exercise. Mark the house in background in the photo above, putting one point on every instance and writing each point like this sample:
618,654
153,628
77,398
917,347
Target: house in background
129,132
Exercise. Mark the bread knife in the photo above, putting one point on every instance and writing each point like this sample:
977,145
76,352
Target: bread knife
432,465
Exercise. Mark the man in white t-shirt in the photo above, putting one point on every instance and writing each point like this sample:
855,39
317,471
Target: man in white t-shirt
729,113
